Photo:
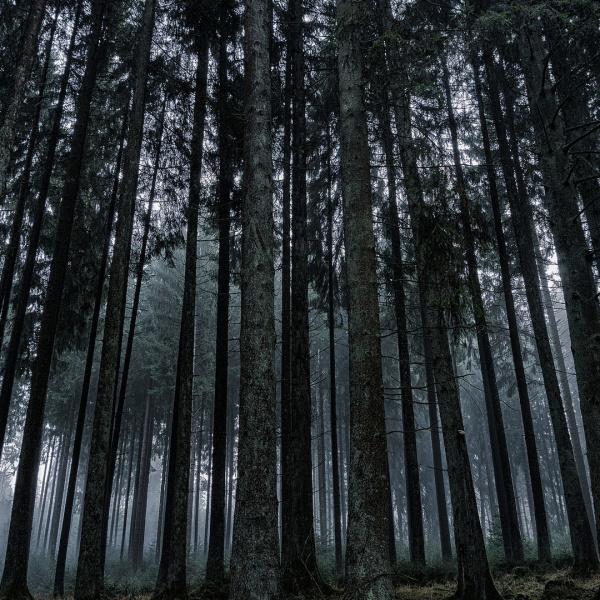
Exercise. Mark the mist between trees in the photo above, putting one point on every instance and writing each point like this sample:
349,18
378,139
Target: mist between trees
299,299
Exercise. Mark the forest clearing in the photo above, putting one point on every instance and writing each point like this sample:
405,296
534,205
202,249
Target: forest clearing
299,299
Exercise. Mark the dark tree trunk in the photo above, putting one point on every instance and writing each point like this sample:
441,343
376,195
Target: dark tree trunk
255,570
416,538
335,456
14,103
298,554
565,387
367,547
541,521
511,536
199,447
114,525
61,559
215,570
579,289
45,486
209,445
523,227
161,505
14,578
90,567
137,551
171,581
436,448
12,353
128,491
60,487
474,579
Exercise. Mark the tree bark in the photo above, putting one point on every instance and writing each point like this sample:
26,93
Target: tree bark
255,569
298,553
367,547
171,581
215,570
335,453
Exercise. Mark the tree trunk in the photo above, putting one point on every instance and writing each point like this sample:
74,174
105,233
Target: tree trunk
436,448
511,536
61,559
416,538
565,387
127,493
541,522
60,487
14,578
14,102
137,553
335,454
298,554
90,568
171,581
579,289
367,547
215,570
255,570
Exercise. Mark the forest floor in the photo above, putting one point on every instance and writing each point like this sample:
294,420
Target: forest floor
520,584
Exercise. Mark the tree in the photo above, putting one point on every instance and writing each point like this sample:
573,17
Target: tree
90,566
255,569
367,546
171,581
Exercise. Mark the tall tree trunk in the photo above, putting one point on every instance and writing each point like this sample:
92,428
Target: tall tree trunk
14,103
137,554
541,522
114,525
199,447
14,577
416,538
255,569
215,570
12,353
436,448
90,567
565,387
60,486
209,445
367,547
171,581
298,554
128,491
45,486
580,293
335,453
61,559
511,536
161,504
51,499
